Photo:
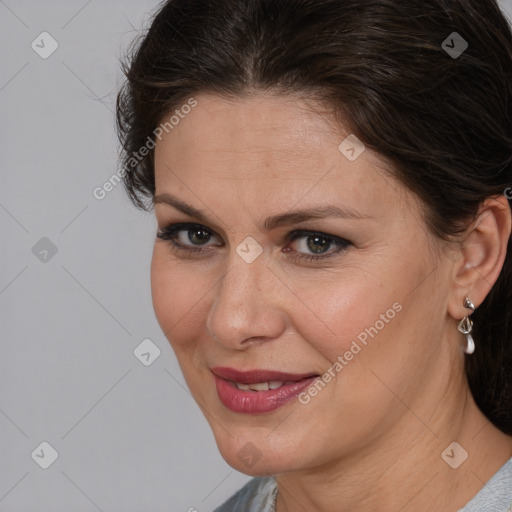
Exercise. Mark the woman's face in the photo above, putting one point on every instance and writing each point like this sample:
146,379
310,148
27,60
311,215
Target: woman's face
374,301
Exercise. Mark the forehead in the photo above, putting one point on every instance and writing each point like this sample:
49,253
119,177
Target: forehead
261,123
267,147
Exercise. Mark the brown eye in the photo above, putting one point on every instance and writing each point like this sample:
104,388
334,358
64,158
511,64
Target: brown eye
318,244
311,246
198,236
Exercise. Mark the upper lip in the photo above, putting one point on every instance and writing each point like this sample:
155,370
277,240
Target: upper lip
257,375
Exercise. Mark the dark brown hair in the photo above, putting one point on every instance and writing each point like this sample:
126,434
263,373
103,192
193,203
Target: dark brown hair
443,120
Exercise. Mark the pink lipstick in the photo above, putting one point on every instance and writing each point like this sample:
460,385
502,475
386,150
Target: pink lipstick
258,391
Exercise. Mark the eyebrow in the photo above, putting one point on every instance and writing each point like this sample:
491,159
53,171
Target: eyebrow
293,217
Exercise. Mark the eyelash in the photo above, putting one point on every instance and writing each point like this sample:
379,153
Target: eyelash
168,233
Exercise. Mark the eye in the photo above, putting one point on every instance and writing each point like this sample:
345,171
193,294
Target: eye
186,236
314,246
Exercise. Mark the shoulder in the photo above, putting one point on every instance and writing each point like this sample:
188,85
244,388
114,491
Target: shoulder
496,494
257,495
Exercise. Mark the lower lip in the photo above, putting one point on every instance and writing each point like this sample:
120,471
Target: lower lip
257,402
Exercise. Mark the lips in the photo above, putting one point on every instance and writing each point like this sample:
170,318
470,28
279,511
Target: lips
255,376
258,391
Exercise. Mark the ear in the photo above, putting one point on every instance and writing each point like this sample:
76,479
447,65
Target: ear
482,254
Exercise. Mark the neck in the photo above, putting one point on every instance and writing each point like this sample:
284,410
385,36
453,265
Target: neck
404,470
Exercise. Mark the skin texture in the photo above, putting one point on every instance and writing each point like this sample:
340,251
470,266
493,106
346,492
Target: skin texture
382,423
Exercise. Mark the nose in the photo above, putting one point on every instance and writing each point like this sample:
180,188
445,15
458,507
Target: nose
246,307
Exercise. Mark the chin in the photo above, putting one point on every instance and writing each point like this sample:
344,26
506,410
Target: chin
257,457
266,466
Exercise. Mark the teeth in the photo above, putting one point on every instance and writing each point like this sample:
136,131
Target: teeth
260,386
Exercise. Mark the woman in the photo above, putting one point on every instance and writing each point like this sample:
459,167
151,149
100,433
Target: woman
331,182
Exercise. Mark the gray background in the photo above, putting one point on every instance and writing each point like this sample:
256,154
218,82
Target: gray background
129,437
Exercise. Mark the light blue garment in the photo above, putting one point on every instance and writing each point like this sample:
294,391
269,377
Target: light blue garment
259,495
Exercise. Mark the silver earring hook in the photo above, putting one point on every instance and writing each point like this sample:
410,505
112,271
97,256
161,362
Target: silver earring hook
466,326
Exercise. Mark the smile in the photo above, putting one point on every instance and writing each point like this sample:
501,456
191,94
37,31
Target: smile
258,391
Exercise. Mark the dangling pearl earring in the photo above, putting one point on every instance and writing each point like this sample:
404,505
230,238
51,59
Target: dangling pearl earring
466,326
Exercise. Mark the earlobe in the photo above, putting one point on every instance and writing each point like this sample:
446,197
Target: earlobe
483,252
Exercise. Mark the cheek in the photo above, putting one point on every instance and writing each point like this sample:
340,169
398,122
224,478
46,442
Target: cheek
176,295
338,309
360,327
